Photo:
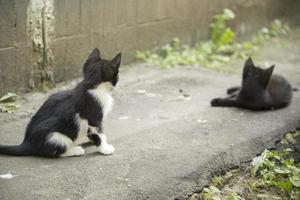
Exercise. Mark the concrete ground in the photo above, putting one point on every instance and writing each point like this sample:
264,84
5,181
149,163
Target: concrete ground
166,146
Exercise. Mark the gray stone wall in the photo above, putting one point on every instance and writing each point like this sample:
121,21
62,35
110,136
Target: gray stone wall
46,41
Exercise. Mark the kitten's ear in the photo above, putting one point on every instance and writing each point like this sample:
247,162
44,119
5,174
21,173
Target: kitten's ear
95,54
92,58
266,75
249,65
116,61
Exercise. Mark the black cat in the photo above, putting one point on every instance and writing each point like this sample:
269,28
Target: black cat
260,90
69,117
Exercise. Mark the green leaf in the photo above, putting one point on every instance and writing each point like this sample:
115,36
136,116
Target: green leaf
234,196
217,181
207,194
257,162
8,107
229,13
8,97
284,185
295,179
267,197
214,189
226,37
282,170
295,194
288,150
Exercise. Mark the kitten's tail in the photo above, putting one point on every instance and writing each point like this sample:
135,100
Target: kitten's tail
15,150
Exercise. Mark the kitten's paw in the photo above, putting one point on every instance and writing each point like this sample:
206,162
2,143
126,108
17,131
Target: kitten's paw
74,151
215,102
106,149
78,151
233,89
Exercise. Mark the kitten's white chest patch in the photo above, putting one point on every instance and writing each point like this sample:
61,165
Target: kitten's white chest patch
103,95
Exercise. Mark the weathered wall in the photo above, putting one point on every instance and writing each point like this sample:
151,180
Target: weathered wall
15,46
46,41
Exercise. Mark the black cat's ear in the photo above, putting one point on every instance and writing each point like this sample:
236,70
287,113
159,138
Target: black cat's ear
249,65
116,61
248,68
266,75
92,58
95,54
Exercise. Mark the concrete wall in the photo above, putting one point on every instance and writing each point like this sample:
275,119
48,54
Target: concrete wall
46,41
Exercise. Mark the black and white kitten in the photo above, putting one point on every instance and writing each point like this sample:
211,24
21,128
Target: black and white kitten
67,118
260,90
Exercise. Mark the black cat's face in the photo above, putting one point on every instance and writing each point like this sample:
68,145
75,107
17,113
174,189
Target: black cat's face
97,71
255,76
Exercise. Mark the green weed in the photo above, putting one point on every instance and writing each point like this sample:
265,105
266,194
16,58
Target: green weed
215,52
8,103
272,175
278,170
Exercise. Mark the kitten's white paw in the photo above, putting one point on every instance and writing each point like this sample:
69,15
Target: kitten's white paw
106,149
74,151
78,151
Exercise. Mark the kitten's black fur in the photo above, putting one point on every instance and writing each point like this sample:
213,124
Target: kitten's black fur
260,90
61,111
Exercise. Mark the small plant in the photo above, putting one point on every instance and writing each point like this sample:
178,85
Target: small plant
221,35
278,170
234,196
272,175
217,181
216,51
8,103
278,28
210,193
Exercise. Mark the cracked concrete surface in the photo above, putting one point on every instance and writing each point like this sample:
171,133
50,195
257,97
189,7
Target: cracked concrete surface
166,146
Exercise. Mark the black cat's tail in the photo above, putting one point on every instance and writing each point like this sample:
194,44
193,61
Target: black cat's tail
15,150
